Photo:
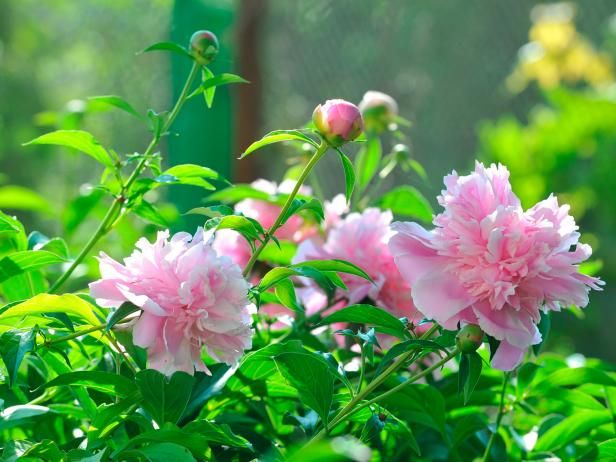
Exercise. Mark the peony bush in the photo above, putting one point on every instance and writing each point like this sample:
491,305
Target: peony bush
292,326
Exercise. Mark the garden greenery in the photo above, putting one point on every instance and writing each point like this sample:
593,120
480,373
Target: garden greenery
290,326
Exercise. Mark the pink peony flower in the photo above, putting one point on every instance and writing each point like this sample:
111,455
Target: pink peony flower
231,243
361,239
191,298
338,121
489,262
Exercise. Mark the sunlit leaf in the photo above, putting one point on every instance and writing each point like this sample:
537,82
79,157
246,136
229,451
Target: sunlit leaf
78,140
407,201
116,101
349,174
369,315
276,137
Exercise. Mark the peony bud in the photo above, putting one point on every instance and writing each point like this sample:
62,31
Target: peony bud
338,121
469,338
378,110
204,46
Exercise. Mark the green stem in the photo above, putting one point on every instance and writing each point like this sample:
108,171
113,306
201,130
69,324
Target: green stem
415,378
350,407
499,418
322,149
109,220
74,335
361,370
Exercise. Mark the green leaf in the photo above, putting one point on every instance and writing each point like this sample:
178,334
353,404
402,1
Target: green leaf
403,347
569,377
149,213
285,291
276,137
20,198
9,224
168,46
469,373
217,433
13,348
349,174
109,416
161,452
243,225
164,398
116,101
78,140
106,382
340,266
310,375
372,429
213,211
191,171
213,81
208,92
28,260
313,205
126,309
367,161
369,315
274,276
607,450
526,374
48,303
237,193
407,201
205,387
570,429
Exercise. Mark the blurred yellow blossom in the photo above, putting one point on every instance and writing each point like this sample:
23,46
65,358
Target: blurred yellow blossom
558,53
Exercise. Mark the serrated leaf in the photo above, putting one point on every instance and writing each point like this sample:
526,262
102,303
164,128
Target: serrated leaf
349,174
276,137
78,140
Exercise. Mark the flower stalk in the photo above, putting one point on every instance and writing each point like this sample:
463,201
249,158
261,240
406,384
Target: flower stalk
114,213
321,150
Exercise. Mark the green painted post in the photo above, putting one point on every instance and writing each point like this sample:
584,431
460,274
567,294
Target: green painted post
205,135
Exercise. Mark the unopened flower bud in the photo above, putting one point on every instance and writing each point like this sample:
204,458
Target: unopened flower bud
469,338
204,46
338,121
378,110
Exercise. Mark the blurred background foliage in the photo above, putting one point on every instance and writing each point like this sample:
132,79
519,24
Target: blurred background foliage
529,84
